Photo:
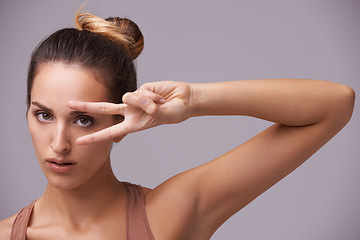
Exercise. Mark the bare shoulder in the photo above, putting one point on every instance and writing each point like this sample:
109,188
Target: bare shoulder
146,191
5,227
174,197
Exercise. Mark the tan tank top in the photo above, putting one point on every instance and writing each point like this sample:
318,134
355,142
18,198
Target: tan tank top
137,225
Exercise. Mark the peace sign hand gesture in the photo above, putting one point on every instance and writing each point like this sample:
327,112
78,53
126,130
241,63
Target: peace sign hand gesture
151,105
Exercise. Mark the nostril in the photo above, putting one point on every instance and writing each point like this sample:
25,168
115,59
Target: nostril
60,147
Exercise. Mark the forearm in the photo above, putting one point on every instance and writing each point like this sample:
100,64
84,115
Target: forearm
293,102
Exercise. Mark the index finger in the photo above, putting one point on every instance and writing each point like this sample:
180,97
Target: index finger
97,107
117,131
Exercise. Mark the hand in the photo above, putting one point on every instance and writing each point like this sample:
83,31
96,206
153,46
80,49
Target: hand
151,105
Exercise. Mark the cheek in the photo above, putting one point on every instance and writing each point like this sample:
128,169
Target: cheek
97,152
93,154
39,136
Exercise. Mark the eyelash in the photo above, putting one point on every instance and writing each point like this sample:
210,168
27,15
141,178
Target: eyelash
89,120
40,116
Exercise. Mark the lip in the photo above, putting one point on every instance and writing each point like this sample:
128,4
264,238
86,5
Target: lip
60,165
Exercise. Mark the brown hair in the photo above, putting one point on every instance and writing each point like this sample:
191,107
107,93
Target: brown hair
120,30
105,46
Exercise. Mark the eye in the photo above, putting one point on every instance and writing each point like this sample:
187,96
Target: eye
43,117
84,121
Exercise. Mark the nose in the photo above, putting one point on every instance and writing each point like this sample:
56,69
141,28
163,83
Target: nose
60,143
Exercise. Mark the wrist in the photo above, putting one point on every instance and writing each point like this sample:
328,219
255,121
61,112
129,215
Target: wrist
197,100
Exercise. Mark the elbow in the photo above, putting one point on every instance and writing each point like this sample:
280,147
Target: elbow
346,101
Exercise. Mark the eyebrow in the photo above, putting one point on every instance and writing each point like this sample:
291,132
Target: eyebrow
44,108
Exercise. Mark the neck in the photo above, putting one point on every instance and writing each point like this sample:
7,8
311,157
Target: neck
86,202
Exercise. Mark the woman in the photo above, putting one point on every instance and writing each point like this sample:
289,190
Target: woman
82,96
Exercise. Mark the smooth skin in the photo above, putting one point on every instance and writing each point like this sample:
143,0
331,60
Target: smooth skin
306,114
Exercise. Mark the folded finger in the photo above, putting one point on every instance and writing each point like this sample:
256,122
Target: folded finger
153,96
130,99
148,106
97,107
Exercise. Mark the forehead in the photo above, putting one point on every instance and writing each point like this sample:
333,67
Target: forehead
58,82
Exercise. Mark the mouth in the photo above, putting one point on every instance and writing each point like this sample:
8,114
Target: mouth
60,162
60,165
63,164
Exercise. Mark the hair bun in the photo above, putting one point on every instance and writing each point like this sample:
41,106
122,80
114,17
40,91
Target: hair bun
123,31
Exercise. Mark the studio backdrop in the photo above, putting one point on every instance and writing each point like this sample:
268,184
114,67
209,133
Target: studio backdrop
206,41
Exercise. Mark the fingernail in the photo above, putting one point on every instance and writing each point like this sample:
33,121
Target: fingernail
143,100
162,100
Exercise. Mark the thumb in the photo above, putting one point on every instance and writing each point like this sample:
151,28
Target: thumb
147,105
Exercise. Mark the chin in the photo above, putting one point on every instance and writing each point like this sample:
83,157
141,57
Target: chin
63,185
64,182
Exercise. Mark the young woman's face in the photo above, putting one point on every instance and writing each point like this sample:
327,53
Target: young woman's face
54,127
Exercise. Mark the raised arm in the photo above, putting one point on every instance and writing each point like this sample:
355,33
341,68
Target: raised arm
307,114
292,102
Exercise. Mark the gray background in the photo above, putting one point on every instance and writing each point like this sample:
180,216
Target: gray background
206,41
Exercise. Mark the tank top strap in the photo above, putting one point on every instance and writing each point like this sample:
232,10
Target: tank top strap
137,224
21,222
